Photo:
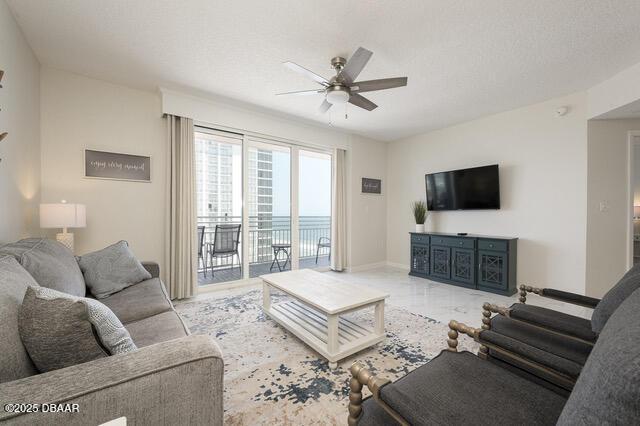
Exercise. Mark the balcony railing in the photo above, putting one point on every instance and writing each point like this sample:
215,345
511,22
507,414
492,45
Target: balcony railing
265,230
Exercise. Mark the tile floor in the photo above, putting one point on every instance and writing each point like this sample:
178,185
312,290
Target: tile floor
441,302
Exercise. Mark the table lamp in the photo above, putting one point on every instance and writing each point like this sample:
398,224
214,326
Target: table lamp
63,215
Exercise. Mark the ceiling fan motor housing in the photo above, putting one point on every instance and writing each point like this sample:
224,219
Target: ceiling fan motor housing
338,94
338,63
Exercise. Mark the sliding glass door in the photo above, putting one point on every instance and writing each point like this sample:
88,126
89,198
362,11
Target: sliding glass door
219,206
314,209
263,206
268,188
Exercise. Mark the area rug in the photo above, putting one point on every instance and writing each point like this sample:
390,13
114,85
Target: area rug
271,377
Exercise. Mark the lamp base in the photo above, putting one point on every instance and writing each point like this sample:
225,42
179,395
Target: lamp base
66,239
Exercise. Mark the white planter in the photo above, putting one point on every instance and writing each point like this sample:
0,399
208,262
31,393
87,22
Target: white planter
420,227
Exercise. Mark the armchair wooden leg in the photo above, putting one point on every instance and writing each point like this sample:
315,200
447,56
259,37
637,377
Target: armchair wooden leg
523,293
355,401
360,377
483,351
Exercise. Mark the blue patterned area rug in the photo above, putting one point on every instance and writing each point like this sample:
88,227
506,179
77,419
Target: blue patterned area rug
271,377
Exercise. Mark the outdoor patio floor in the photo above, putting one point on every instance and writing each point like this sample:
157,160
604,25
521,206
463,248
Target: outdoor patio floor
255,270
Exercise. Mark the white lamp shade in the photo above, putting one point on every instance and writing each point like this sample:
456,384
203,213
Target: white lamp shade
63,215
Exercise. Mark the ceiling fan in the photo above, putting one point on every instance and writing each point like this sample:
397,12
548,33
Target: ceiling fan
343,87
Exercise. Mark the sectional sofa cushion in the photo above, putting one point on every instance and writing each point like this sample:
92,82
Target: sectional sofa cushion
608,389
14,281
111,269
158,328
60,330
139,301
614,297
50,263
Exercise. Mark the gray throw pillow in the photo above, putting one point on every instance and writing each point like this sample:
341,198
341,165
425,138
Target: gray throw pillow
111,269
614,297
60,330
50,263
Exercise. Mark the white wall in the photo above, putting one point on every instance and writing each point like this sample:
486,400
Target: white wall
20,116
78,113
250,119
608,183
543,175
367,212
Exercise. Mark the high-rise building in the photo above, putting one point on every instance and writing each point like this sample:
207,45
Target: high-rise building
261,203
219,189
214,177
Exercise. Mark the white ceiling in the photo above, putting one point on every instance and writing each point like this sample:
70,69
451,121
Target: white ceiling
464,58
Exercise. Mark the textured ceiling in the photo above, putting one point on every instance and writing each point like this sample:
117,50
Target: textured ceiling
464,58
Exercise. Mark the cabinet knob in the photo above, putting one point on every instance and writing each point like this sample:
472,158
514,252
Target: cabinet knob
491,245
460,243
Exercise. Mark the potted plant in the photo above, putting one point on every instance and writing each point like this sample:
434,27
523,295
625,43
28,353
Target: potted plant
419,209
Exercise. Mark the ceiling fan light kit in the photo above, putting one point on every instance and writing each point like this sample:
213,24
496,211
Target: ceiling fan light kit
337,95
342,88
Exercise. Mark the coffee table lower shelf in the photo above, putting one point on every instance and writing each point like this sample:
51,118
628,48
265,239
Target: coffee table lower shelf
332,337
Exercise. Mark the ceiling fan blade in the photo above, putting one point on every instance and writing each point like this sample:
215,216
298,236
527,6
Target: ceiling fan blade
381,84
324,107
355,65
362,102
302,92
310,74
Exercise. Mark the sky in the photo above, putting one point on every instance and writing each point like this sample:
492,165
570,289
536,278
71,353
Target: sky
314,187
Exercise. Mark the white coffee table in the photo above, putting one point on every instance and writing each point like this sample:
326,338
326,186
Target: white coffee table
313,313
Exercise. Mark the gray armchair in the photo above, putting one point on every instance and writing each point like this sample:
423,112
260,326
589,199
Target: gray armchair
463,389
559,342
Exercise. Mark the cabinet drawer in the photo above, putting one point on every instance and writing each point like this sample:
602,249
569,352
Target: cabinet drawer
495,245
467,243
420,238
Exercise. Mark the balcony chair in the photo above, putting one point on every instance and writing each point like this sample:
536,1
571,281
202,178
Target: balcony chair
556,340
460,388
321,245
201,258
225,244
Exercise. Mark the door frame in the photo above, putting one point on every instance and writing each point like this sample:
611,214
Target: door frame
633,142
248,139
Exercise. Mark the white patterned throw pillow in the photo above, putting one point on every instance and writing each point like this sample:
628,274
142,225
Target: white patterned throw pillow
60,330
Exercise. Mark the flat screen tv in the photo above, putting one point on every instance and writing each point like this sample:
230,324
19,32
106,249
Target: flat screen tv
466,189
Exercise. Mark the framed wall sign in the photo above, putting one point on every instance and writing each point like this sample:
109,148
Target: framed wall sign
371,186
113,165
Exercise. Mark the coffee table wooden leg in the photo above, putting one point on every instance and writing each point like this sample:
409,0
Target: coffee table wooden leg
379,317
332,337
266,296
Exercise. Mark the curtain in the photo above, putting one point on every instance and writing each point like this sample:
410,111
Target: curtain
339,212
181,242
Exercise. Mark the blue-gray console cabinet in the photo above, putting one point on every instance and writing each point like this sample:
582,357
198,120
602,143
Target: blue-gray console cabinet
482,262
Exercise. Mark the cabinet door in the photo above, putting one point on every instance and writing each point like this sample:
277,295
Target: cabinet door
441,262
463,265
492,269
420,259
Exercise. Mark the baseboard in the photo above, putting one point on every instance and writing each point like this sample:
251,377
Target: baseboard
366,267
398,266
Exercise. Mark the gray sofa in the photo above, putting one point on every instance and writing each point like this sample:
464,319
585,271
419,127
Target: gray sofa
173,377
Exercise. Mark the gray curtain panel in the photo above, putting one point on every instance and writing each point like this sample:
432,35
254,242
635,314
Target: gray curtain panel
339,212
180,248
